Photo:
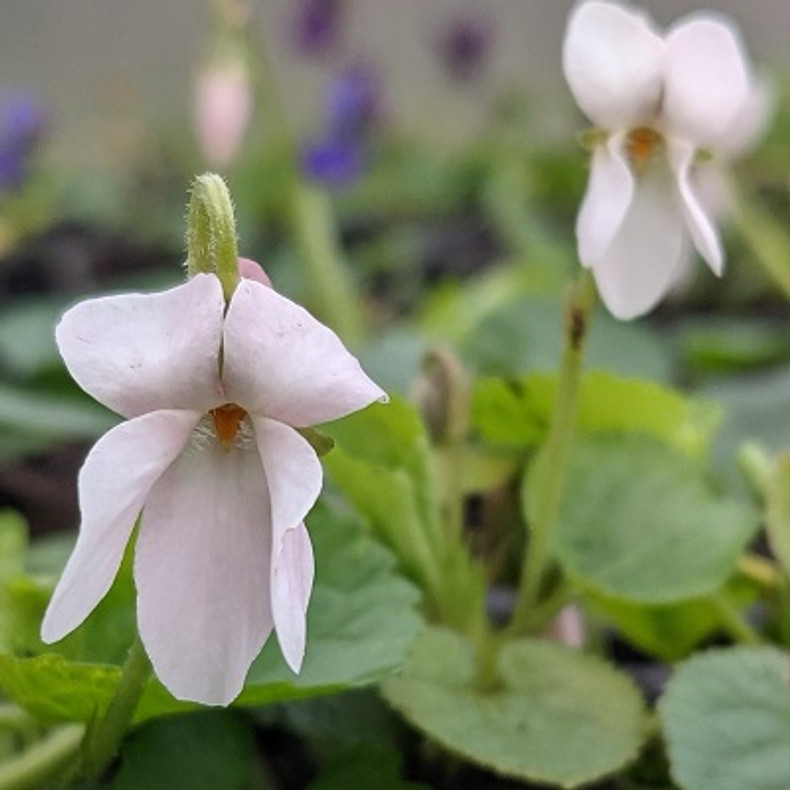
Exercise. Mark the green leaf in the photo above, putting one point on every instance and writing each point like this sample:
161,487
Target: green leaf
526,336
726,718
361,622
777,512
365,767
755,408
381,464
638,521
560,717
45,418
204,751
514,413
669,631
13,544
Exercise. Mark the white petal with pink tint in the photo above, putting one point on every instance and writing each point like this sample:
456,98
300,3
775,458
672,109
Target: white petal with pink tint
114,484
606,201
293,569
701,229
647,253
280,362
202,568
293,472
137,353
612,61
706,79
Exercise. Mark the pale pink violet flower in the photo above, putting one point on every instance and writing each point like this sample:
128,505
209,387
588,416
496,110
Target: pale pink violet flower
660,103
210,460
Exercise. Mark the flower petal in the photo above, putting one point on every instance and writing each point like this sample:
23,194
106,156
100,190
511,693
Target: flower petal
612,60
137,353
293,473
293,570
707,77
280,362
701,229
648,252
114,484
606,201
294,476
202,568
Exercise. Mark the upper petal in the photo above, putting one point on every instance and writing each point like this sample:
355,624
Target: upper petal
202,569
707,77
648,252
606,201
281,363
701,228
612,60
293,570
136,353
114,484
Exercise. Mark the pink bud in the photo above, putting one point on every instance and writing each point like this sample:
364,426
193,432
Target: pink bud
250,270
223,109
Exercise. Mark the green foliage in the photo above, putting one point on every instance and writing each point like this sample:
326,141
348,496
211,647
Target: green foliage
361,623
558,716
210,750
515,413
639,521
364,767
726,717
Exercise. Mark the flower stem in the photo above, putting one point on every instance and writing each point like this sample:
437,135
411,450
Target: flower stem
732,620
211,232
104,736
33,767
578,307
330,281
768,241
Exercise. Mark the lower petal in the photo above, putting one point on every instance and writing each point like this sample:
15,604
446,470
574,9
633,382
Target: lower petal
648,252
701,229
114,484
202,569
293,569
605,205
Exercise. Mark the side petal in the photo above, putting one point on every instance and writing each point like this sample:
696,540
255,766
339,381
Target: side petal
606,201
648,252
293,570
293,473
114,484
137,353
280,362
612,60
202,569
707,77
701,229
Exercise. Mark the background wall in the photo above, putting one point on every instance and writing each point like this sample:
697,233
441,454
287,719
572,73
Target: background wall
91,58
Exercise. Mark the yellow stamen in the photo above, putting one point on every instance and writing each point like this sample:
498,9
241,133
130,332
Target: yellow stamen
227,419
642,144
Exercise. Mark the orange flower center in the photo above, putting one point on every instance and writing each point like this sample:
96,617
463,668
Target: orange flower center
227,419
642,144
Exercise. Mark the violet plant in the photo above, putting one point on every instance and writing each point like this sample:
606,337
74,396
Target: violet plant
498,538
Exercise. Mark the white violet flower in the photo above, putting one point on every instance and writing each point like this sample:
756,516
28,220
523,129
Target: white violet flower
660,102
210,460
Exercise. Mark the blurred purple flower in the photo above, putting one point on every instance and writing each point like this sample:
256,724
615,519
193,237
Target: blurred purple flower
352,102
22,122
464,45
333,161
337,157
316,25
